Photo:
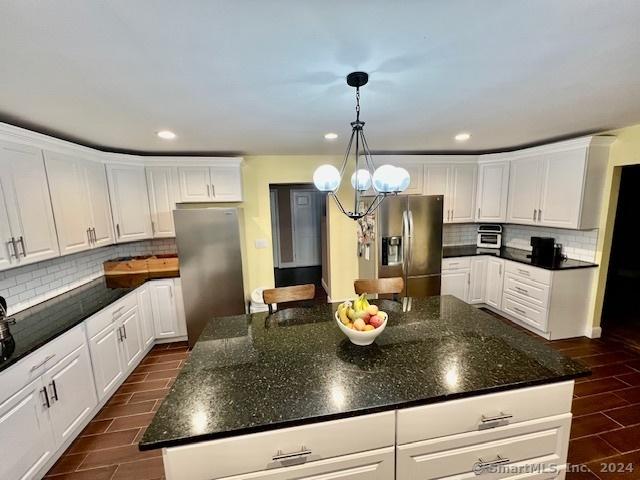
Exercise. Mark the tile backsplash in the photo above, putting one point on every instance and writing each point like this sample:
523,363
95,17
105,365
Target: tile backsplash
26,286
459,234
576,244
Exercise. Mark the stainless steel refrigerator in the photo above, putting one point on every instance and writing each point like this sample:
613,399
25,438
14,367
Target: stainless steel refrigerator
408,243
210,255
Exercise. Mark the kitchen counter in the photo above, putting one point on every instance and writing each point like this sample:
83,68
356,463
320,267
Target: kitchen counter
251,373
513,254
42,323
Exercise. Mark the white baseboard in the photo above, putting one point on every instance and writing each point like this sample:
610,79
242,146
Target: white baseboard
325,286
171,340
593,332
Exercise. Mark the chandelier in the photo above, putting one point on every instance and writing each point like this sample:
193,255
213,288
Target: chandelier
385,180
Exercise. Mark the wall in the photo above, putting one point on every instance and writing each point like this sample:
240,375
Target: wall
624,151
258,172
26,286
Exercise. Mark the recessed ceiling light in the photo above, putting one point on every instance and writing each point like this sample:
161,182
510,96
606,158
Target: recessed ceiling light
462,137
166,134
330,136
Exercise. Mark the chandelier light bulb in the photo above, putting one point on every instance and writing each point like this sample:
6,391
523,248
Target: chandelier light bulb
361,180
385,179
402,179
326,178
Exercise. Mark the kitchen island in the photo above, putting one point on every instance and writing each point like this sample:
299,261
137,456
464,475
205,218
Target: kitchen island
287,395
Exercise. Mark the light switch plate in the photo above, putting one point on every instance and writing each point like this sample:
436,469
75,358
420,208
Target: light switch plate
261,243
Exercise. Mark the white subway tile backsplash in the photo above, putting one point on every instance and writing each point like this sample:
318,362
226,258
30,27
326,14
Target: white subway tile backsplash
576,244
459,234
26,286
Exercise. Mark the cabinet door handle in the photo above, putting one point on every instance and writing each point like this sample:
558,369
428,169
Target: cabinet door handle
93,234
478,213
153,227
304,452
534,214
24,251
89,236
539,215
495,418
54,396
120,334
523,272
37,366
46,397
482,465
11,244
118,229
213,190
468,278
521,312
208,191
124,331
500,269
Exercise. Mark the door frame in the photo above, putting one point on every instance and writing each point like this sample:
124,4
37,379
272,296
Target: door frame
316,206
275,227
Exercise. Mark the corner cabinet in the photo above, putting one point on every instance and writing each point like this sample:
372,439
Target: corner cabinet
559,185
492,191
162,187
129,202
207,183
29,231
167,308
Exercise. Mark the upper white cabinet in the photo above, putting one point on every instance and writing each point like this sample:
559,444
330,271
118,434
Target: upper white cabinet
202,183
161,184
492,190
457,182
129,202
559,185
80,202
27,207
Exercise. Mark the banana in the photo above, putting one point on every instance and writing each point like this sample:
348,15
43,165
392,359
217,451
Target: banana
342,313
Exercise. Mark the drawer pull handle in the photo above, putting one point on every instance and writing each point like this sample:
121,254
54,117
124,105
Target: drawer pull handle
521,312
523,272
35,367
495,418
303,452
481,466
521,290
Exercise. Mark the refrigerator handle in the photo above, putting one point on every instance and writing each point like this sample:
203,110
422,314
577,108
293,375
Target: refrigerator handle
405,242
410,246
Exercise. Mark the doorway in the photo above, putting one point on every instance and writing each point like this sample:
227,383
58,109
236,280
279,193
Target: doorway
620,313
298,225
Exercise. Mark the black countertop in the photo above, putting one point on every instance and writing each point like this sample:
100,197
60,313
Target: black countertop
515,255
251,373
42,323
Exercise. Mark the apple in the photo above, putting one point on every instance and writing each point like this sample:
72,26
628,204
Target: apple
372,310
376,321
366,317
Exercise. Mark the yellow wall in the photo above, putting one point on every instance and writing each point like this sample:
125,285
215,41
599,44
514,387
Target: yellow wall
260,171
624,151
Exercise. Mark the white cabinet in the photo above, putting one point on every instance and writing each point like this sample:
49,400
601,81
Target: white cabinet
457,182
220,183
162,187
131,338
492,192
477,283
456,283
7,252
494,281
25,433
559,185
71,394
165,315
129,202
80,202
27,204
146,316
108,370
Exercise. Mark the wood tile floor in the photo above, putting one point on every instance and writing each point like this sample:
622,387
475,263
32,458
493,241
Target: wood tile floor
606,424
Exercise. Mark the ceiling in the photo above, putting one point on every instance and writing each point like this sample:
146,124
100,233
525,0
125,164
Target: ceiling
267,77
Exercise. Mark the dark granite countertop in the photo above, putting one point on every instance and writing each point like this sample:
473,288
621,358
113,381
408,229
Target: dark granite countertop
513,254
46,321
251,373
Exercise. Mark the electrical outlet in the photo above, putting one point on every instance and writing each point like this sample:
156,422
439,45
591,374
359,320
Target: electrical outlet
262,243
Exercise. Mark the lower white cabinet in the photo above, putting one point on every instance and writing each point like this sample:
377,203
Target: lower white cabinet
456,277
70,394
494,280
477,280
25,433
131,338
146,316
106,353
165,313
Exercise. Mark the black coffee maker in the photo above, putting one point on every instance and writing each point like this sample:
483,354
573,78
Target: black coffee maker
7,343
543,249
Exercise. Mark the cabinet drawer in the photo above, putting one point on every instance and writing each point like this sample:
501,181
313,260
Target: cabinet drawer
528,313
458,263
537,442
475,413
110,314
533,292
256,452
532,273
371,465
31,367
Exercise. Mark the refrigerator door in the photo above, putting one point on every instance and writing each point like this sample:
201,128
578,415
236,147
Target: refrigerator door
392,230
208,241
424,261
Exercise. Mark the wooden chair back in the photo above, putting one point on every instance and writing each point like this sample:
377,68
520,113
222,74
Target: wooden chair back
288,294
381,286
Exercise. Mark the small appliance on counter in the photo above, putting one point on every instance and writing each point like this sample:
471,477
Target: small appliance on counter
489,236
545,249
7,343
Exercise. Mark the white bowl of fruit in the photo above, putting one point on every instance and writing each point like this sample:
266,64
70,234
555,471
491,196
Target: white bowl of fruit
360,321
